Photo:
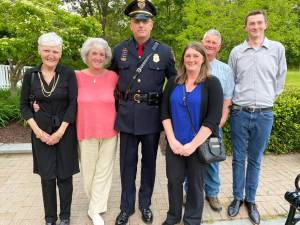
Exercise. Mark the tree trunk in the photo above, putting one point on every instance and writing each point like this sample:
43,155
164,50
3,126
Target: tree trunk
13,90
103,23
102,7
15,74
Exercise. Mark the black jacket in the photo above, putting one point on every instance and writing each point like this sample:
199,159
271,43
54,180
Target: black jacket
141,118
211,105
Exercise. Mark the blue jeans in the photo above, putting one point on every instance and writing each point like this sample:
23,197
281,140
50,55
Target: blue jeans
212,180
250,133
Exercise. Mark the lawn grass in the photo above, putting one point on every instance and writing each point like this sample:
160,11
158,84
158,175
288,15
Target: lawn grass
293,78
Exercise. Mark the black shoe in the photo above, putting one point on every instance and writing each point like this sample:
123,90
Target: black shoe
122,218
65,222
252,212
50,223
147,215
234,207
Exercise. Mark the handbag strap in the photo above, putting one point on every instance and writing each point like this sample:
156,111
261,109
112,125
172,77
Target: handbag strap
187,109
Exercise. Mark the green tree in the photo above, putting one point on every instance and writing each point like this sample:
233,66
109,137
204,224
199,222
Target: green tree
108,12
22,22
228,18
168,22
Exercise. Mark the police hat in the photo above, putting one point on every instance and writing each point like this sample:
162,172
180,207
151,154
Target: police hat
140,10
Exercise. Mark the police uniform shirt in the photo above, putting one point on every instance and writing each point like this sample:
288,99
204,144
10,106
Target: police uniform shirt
133,117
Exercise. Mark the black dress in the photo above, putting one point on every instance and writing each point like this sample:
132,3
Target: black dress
59,160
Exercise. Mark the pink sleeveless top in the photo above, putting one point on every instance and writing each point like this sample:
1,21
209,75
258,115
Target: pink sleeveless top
96,111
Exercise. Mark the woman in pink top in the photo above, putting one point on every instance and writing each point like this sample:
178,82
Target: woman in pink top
95,124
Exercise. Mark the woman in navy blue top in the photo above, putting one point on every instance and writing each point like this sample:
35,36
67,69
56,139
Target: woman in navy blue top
204,98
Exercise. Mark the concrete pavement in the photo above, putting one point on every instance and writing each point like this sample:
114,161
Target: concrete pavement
21,198
247,222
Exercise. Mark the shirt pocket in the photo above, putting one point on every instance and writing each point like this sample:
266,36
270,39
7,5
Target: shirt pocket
159,66
157,70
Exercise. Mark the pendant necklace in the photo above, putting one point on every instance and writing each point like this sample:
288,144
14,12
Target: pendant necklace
94,74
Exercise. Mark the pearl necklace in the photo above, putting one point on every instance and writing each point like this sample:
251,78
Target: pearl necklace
46,93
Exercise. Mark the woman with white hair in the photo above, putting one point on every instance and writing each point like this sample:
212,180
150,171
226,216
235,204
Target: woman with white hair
95,125
54,143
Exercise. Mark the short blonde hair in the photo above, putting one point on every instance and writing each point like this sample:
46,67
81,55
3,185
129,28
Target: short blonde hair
98,43
50,39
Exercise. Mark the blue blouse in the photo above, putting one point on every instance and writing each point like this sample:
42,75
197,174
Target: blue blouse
179,117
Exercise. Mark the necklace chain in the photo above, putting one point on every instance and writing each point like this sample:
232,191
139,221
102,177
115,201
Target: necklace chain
46,93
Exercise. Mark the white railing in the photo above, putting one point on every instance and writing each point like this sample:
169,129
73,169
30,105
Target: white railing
4,76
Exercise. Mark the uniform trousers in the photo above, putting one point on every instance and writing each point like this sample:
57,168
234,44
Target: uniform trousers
65,187
128,166
97,157
177,168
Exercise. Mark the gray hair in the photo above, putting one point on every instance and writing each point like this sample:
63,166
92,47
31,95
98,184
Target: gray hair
98,43
50,39
213,32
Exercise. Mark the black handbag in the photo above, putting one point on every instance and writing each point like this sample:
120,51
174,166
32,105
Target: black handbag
212,150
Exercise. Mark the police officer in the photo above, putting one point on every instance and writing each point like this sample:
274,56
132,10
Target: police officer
142,64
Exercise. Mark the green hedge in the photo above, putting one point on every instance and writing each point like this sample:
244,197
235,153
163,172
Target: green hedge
9,108
285,136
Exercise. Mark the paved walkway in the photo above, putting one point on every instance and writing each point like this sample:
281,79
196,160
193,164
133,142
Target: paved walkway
21,198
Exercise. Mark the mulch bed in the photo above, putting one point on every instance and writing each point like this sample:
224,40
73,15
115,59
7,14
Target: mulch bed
15,133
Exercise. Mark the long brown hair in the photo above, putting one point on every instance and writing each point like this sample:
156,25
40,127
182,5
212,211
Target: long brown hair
205,68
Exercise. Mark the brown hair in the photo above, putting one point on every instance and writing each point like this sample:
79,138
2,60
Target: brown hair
255,12
204,71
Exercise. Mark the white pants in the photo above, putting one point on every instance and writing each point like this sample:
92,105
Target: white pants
97,157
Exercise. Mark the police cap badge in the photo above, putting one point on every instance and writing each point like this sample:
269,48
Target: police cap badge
140,10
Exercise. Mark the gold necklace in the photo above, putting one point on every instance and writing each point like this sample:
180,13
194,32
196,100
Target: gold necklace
46,93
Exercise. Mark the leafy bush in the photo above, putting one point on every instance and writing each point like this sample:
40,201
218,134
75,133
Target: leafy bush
285,136
286,128
9,108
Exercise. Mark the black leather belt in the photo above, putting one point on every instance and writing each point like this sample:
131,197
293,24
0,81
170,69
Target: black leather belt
251,108
137,97
151,98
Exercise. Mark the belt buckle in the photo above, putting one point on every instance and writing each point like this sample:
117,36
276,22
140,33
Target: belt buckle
136,98
251,109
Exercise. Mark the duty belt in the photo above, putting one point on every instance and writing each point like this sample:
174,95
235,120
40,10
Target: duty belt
251,108
151,98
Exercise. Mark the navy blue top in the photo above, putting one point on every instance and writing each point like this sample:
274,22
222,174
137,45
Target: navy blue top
179,117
